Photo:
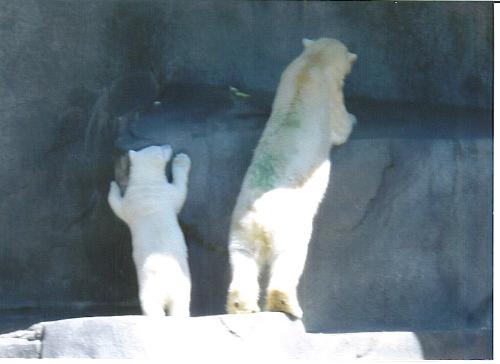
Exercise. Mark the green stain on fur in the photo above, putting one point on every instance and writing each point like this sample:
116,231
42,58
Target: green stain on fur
289,120
271,160
292,120
265,170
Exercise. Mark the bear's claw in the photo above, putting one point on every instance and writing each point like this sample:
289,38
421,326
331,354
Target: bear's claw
236,304
182,159
280,301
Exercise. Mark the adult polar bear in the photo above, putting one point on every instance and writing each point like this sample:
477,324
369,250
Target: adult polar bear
273,218
150,207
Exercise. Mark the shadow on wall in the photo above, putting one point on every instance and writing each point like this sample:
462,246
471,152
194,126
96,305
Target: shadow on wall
456,345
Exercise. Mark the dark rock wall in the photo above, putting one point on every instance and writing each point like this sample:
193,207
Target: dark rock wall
428,52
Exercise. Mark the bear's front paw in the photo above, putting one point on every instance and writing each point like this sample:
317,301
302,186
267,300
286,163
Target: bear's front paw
281,301
114,189
167,151
182,160
237,304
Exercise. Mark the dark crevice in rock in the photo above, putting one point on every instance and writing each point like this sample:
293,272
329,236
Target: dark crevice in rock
389,165
231,331
194,236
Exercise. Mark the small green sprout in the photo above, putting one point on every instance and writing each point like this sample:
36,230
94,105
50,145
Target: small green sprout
238,93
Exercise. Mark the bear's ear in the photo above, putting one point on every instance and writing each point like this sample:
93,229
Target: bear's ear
307,42
352,58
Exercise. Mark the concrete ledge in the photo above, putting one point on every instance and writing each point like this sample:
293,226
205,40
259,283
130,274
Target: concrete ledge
22,344
403,345
226,336
256,336
19,348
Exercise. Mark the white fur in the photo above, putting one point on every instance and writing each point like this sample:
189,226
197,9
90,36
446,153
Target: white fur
150,207
273,218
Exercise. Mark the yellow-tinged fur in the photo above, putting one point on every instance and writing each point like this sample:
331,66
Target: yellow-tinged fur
286,181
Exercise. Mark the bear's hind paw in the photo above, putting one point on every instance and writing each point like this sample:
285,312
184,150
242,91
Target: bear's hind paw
281,302
236,304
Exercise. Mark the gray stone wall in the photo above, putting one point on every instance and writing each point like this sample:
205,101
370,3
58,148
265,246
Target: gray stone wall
403,238
427,52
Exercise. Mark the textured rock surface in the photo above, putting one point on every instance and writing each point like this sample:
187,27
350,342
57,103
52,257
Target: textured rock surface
143,337
22,343
253,337
403,345
404,221
404,224
19,348
420,52
403,239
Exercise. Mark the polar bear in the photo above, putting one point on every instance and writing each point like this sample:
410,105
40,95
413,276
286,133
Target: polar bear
272,221
150,207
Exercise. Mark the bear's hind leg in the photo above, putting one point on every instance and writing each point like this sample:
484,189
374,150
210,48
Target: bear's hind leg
282,289
179,308
286,268
180,297
243,292
152,297
151,307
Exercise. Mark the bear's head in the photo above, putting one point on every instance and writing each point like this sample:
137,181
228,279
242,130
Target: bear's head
330,56
152,158
328,61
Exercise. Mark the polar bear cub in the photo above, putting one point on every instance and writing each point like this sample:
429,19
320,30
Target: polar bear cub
272,221
150,207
